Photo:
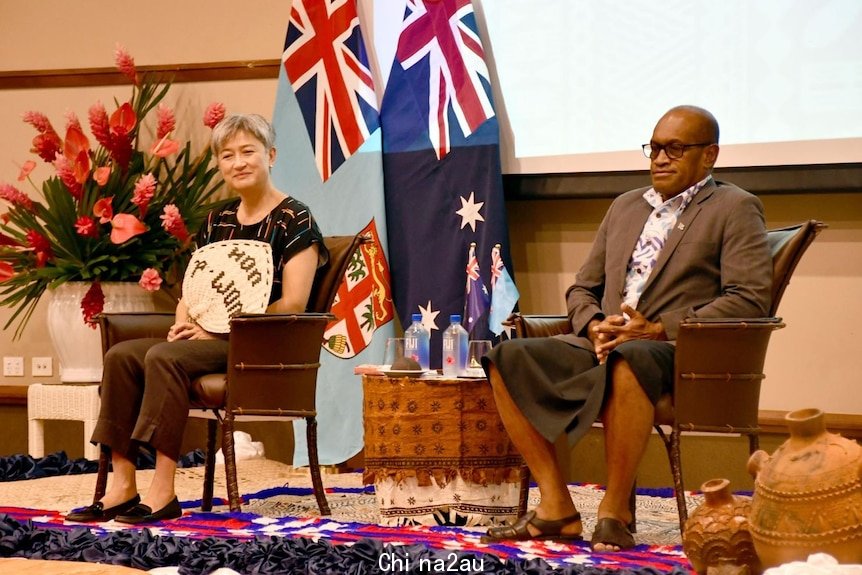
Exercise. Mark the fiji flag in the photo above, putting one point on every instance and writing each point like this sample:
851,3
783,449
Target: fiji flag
504,293
441,163
477,300
329,156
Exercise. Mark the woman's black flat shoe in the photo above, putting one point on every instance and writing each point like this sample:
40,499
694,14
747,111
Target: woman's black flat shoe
96,513
141,513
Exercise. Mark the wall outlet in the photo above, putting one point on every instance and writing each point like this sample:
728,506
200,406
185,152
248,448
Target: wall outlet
13,366
42,366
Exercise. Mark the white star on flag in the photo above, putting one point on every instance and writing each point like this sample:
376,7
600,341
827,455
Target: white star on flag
429,318
469,212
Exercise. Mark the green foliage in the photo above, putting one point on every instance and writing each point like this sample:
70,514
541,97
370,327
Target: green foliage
189,182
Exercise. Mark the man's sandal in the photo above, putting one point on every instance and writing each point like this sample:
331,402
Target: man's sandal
546,528
610,531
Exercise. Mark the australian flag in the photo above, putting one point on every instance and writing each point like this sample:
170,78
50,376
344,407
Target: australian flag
477,301
441,163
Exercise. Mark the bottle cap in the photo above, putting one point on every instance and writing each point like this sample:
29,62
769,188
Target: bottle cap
455,318
416,317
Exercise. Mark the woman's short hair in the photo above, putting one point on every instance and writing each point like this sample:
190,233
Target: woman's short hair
253,124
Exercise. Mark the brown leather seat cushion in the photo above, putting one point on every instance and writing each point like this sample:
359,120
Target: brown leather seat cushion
209,391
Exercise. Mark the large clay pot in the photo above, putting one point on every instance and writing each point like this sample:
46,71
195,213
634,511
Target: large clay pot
716,538
807,495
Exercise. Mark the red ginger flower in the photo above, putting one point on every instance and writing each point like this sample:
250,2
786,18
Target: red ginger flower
92,304
41,247
126,64
99,124
39,121
167,122
145,189
66,173
47,142
150,279
46,146
72,120
86,227
15,197
214,114
172,222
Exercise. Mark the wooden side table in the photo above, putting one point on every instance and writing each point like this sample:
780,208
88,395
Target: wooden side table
437,452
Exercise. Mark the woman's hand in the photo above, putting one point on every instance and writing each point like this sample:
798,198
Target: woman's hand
188,330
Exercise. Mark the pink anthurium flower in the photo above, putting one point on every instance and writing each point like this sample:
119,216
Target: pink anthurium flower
28,167
165,147
101,175
125,227
81,167
6,271
103,210
123,120
75,142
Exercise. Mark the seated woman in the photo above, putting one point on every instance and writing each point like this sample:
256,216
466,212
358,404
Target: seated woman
146,382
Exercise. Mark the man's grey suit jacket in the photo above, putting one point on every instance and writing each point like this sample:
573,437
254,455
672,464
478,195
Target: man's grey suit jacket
715,263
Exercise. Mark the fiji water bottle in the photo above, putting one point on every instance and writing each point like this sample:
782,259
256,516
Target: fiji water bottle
454,348
417,342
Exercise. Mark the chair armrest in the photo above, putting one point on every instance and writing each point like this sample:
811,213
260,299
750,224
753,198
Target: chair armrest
117,327
273,361
719,369
539,325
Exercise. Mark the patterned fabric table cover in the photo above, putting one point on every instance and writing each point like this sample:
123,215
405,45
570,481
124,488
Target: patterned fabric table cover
437,452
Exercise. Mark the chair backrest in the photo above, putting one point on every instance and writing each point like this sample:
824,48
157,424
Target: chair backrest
328,277
787,246
720,391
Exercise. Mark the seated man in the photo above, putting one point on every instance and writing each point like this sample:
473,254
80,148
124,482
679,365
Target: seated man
688,246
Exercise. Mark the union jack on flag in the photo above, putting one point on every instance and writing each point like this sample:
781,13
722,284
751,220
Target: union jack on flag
326,63
445,31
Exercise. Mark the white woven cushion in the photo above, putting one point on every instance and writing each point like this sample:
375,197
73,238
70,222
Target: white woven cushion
227,278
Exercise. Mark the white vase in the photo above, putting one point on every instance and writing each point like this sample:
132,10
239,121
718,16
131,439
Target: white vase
79,346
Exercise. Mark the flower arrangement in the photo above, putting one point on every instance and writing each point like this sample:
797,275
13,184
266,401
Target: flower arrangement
110,212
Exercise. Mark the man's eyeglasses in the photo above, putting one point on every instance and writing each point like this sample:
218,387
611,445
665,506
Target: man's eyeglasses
674,150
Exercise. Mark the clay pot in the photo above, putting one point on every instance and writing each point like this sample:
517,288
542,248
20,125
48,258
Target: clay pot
807,495
716,538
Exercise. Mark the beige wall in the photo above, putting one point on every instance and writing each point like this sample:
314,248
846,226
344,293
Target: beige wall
815,361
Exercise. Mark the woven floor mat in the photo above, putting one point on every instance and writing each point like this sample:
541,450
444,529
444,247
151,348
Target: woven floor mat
349,500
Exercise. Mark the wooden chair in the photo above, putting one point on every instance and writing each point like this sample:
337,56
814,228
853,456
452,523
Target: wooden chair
718,363
272,371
